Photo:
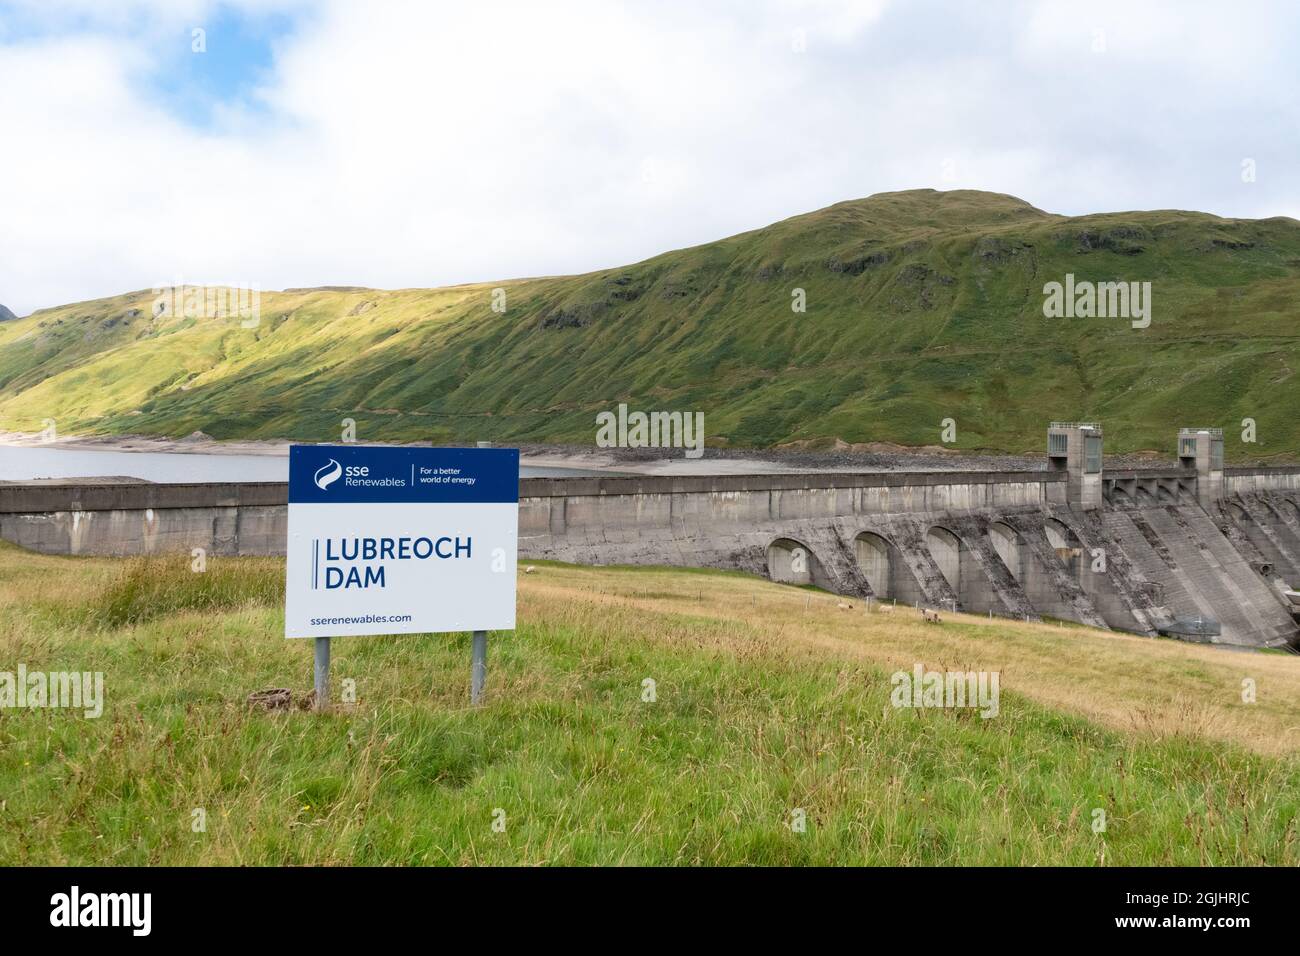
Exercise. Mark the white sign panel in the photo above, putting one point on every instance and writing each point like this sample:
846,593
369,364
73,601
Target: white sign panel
400,540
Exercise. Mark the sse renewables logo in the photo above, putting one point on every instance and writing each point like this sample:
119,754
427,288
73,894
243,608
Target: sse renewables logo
327,474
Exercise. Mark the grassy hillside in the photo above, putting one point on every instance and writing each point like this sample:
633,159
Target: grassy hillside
769,699
921,306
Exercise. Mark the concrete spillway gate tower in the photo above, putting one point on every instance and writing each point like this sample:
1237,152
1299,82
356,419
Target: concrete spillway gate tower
1202,449
1075,448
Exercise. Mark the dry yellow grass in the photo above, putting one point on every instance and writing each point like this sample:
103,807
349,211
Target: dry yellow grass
1124,682
1128,683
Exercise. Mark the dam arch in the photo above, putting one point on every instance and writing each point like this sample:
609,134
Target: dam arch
1006,542
886,569
1064,543
964,565
946,550
875,562
791,561
1280,514
1268,532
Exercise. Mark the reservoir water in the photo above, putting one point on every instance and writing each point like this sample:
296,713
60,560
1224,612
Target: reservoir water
24,463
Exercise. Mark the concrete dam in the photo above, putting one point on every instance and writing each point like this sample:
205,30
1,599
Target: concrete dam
1194,550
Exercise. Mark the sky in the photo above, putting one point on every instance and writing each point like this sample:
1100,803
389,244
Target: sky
277,143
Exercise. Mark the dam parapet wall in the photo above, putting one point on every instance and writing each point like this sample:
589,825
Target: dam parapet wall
1238,480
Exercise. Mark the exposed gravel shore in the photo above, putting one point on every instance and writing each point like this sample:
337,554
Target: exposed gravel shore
646,461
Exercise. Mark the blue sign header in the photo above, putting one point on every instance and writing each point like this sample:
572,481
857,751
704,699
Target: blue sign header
325,474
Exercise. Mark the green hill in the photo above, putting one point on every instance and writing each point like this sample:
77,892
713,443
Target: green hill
920,306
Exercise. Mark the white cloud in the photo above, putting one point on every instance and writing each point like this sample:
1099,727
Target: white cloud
404,144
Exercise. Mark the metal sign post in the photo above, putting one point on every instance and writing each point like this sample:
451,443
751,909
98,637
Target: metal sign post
322,673
478,667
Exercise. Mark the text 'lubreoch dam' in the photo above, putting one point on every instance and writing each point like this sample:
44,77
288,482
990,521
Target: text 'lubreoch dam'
1194,550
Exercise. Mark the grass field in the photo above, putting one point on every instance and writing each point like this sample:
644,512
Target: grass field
920,306
769,700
